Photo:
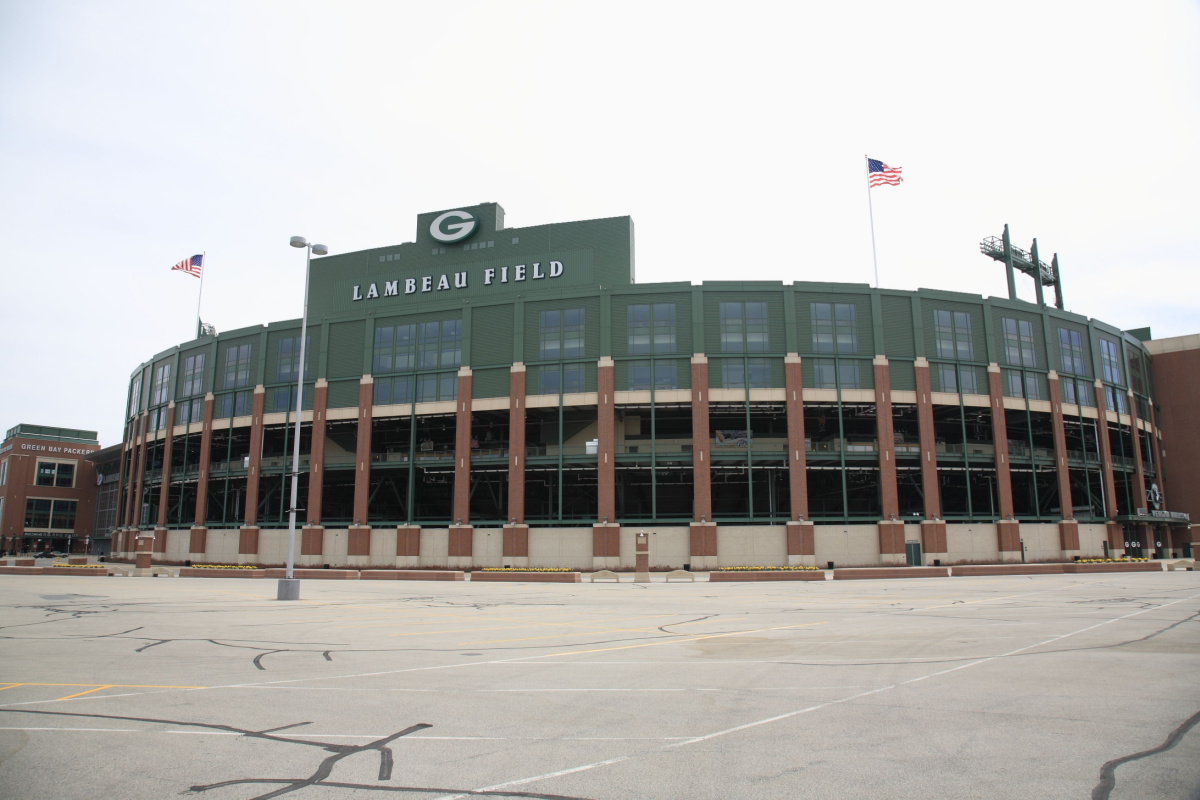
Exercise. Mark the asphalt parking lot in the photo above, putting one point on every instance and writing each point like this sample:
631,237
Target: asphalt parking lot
1056,686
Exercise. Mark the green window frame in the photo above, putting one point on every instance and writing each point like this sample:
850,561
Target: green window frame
835,328
1018,342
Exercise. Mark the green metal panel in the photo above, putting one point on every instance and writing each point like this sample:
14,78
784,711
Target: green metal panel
591,325
862,319
490,382
346,346
491,337
776,341
683,319
343,393
902,376
897,327
593,253
978,329
1034,319
255,355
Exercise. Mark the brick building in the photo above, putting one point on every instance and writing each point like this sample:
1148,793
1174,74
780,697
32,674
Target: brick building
47,489
486,395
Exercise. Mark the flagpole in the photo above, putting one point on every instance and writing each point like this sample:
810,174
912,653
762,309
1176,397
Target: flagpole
200,294
871,211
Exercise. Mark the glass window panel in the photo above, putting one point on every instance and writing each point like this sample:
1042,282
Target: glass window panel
66,475
549,380
969,381
45,473
573,378
382,392
733,375
665,376
427,388
849,376
62,516
760,373
639,375
949,377
824,374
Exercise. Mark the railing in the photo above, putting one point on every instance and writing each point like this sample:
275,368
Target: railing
834,446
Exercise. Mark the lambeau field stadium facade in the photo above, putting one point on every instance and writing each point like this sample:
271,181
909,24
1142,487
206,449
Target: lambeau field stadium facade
492,396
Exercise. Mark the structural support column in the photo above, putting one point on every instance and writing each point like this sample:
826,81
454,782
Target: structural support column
703,529
1147,533
1068,528
462,534
1008,530
606,449
199,535
140,472
248,535
164,484
362,451
891,529
799,530
1116,536
316,457
516,444
929,478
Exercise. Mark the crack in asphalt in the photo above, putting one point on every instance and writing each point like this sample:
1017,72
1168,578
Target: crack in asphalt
1108,772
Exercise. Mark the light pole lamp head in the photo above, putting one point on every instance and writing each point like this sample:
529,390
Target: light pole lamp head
299,241
320,250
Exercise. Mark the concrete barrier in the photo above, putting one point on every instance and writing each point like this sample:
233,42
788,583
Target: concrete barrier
513,575
1182,563
99,569
1007,569
604,575
1117,566
869,573
196,572
410,575
768,575
21,570
315,574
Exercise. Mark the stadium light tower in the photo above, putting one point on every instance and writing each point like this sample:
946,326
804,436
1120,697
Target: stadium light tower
289,587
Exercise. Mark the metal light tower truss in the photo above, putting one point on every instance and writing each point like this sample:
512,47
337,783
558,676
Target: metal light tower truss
1014,258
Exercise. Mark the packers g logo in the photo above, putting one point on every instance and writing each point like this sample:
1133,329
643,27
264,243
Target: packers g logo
453,226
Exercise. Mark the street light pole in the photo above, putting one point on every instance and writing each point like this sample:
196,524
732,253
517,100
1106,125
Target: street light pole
289,587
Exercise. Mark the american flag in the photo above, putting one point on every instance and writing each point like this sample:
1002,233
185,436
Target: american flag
190,265
880,173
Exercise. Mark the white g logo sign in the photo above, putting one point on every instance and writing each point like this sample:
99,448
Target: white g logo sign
445,230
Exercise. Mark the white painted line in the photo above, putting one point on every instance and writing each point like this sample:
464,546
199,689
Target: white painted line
547,776
85,730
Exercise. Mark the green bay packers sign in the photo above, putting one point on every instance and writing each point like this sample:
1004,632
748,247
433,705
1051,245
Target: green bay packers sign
453,227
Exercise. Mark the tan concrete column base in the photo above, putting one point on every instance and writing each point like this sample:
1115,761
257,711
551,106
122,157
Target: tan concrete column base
408,546
514,546
248,536
1068,538
801,544
703,549
460,547
198,545
641,551
606,545
933,541
1008,539
145,554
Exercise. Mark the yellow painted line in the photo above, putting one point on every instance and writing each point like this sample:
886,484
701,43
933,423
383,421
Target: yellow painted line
529,624
81,694
680,641
11,685
597,628
115,685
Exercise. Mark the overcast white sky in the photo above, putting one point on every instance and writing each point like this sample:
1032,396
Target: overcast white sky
133,135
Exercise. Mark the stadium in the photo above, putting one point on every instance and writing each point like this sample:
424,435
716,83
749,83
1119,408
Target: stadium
491,396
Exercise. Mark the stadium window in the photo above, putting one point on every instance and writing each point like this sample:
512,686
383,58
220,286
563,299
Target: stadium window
561,334
952,333
834,328
193,375
651,327
1070,345
744,328
1018,342
161,389
289,357
37,513
237,367
734,374
1110,357
3,472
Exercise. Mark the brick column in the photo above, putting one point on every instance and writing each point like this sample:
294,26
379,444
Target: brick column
140,472
606,450
164,484
801,544
929,479
1068,528
1139,476
1008,530
514,550
206,430
889,494
701,442
793,381
256,436
516,444
1106,465
462,534
462,448
198,540
316,458
408,546
362,455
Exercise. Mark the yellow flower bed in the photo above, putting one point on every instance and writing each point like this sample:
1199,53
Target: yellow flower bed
797,568
1109,560
78,566
223,566
527,569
